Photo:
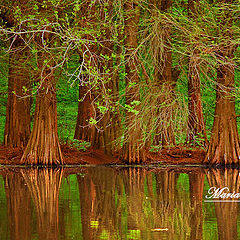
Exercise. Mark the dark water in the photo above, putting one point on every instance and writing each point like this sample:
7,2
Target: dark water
116,203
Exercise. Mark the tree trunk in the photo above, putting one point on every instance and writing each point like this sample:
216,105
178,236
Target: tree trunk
224,144
165,81
102,134
43,147
17,126
110,122
196,126
131,151
84,131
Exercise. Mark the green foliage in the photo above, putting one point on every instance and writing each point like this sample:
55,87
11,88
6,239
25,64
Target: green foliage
80,145
155,149
3,91
88,49
131,109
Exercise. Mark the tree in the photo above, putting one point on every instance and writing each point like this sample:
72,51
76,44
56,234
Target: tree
36,33
163,76
131,151
224,143
43,147
196,125
98,117
84,130
17,125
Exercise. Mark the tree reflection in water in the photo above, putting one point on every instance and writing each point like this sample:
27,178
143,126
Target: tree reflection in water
135,203
44,185
196,184
226,212
116,203
97,199
18,205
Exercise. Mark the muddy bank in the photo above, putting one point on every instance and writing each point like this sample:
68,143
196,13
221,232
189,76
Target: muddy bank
176,155
73,156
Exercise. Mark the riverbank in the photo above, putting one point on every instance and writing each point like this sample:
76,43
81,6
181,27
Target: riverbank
72,156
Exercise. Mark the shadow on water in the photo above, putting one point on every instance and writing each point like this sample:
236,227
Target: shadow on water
116,203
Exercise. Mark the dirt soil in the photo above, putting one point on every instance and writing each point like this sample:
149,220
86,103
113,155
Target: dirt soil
72,156
176,155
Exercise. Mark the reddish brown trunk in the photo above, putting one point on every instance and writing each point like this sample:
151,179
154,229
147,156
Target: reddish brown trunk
43,147
224,144
111,122
103,134
17,126
163,77
196,126
131,149
84,131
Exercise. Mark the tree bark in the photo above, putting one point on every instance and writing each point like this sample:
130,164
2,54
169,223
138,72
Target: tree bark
131,152
164,79
106,131
111,122
17,125
84,131
196,126
43,147
224,145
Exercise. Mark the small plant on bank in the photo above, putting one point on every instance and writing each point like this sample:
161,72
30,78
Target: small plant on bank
80,145
155,149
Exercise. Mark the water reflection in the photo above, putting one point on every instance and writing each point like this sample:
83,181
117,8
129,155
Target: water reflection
18,205
226,212
44,185
196,184
115,203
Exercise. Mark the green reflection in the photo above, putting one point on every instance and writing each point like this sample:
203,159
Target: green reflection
115,203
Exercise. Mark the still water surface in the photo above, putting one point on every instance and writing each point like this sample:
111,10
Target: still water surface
116,203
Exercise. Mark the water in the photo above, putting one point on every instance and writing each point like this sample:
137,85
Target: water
116,203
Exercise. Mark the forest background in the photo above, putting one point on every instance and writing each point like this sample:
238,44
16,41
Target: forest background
128,77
